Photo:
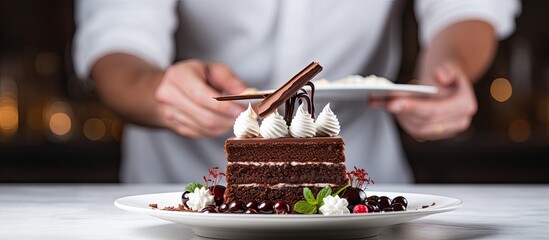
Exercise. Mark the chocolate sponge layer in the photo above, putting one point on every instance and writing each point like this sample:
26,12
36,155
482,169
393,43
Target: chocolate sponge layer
289,194
286,173
317,149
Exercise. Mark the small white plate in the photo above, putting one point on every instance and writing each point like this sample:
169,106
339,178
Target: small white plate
362,91
257,226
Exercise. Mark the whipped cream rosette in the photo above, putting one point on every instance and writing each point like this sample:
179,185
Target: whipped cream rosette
327,123
334,206
303,125
246,125
200,198
274,126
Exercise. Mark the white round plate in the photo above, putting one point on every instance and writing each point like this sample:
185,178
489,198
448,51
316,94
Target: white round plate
361,91
338,91
257,226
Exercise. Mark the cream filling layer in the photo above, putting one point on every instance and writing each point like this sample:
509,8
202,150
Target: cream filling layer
281,185
282,163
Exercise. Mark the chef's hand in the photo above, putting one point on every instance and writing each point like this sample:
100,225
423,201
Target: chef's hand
185,95
443,116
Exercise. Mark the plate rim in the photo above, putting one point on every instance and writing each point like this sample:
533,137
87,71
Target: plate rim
358,91
392,87
455,204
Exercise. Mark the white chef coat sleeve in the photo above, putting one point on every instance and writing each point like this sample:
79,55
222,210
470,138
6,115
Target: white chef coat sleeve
435,15
143,28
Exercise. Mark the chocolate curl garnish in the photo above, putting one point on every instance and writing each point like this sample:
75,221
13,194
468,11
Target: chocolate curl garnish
248,96
286,94
286,91
312,86
301,95
289,110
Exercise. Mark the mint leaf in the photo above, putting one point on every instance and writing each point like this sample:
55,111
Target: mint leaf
326,191
305,208
309,197
192,186
340,190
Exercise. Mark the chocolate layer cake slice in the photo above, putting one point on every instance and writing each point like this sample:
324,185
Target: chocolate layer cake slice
278,169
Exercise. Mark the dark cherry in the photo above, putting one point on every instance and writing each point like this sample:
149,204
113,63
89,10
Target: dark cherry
400,199
350,207
252,204
209,209
265,207
388,209
398,207
384,202
354,195
373,206
282,207
236,207
218,191
251,211
223,208
372,198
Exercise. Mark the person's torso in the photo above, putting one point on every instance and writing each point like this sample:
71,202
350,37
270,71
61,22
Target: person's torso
266,43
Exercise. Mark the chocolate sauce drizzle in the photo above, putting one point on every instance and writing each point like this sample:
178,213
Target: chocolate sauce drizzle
299,97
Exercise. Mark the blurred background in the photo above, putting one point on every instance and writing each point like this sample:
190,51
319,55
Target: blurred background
53,129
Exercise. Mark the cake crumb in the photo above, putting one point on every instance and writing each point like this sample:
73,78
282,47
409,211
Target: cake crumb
426,206
179,208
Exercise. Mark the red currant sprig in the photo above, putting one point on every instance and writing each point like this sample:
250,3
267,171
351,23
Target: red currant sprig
214,176
359,178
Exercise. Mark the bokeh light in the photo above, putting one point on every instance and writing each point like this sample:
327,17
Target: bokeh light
94,129
9,107
9,116
60,123
519,130
501,89
58,119
9,119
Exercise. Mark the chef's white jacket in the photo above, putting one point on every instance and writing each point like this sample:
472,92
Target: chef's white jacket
266,42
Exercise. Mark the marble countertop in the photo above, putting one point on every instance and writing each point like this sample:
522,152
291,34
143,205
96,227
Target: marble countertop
87,212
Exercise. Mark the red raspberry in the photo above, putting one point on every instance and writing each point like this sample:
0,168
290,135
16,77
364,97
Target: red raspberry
360,208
